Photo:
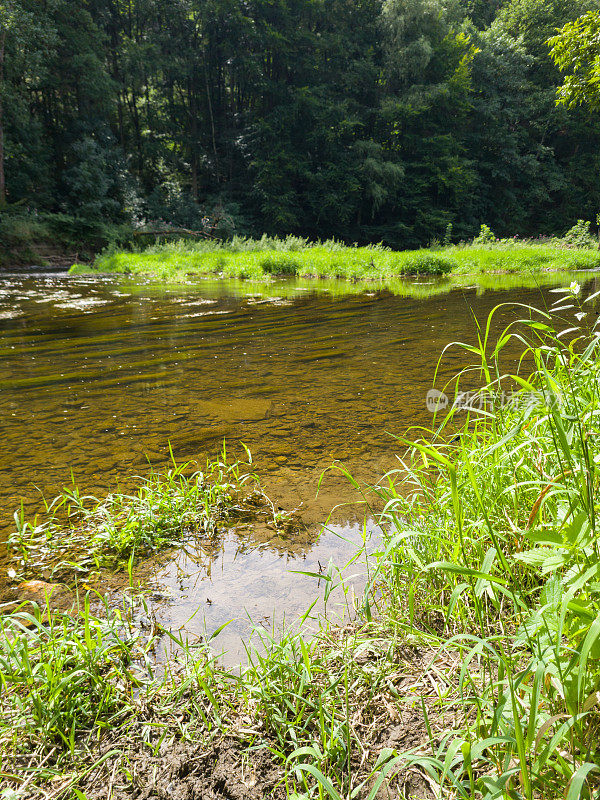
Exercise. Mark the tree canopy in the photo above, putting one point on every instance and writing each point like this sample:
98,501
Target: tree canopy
367,120
576,52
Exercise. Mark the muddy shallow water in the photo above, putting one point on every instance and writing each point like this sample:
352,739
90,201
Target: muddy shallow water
98,375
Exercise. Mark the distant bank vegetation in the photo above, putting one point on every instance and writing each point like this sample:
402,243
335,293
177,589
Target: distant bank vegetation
256,259
28,238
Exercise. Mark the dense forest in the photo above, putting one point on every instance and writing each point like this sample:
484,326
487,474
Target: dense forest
365,120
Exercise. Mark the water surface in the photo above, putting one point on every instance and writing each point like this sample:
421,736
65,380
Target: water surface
99,374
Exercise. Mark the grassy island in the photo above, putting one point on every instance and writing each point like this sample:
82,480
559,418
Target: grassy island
260,259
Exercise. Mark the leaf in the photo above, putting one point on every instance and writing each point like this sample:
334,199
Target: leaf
573,529
576,784
546,558
325,783
447,566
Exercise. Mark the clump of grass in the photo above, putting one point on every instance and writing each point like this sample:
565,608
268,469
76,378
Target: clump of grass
430,263
78,533
492,554
80,698
522,258
62,676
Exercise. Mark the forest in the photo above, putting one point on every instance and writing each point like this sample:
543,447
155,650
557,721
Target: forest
362,120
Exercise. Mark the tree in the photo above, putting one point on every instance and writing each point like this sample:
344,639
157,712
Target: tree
576,51
13,19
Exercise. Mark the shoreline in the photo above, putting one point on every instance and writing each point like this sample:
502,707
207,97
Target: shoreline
258,261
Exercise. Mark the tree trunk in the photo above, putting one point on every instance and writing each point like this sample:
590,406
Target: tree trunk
212,119
2,179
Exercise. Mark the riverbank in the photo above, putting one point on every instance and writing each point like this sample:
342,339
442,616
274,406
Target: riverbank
262,259
471,668
54,240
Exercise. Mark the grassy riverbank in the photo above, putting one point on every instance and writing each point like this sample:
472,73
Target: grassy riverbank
472,669
260,259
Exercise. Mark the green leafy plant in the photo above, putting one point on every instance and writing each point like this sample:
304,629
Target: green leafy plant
485,236
492,552
429,263
78,533
579,235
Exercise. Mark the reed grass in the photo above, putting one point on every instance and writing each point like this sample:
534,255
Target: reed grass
493,555
77,533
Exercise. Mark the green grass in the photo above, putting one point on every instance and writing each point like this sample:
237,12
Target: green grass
76,689
317,261
522,258
481,620
79,533
493,555
258,260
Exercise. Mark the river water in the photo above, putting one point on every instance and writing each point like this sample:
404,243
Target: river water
99,374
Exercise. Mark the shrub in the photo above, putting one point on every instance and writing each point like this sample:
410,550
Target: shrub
486,236
81,232
281,265
579,235
427,263
21,229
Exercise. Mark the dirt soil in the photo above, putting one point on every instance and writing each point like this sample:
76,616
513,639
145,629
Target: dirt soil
228,769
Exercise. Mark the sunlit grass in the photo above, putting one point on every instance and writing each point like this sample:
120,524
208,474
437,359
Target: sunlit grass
259,260
493,555
79,533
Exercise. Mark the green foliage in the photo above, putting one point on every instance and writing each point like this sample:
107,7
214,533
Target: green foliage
17,229
484,237
262,258
430,263
579,235
522,257
23,233
575,50
79,533
372,121
492,552
62,677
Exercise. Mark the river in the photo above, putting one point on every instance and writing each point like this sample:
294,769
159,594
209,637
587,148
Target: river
99,374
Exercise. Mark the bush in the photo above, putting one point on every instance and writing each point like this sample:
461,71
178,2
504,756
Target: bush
82,232
281,265
21,229
425,263
579,235
486,236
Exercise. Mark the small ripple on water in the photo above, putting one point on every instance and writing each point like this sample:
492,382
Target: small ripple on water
98,375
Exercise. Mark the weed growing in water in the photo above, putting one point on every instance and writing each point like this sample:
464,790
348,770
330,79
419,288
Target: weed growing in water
80,533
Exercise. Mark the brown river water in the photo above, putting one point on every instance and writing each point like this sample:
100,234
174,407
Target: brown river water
98,374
